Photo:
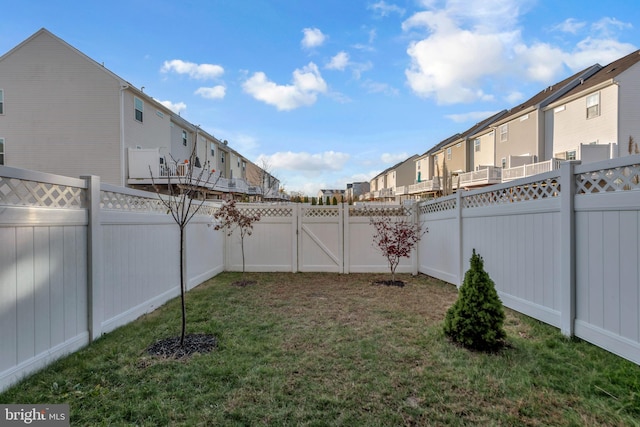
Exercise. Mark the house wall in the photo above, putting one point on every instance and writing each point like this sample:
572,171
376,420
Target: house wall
62,111
522,138
572,128
486,155
458,161
406,172
629,108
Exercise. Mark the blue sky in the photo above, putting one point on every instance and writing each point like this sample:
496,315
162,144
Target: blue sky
334,91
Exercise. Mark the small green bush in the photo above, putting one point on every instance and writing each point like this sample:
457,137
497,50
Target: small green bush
477,317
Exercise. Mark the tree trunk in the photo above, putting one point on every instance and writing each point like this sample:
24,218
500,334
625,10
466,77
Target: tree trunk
182,289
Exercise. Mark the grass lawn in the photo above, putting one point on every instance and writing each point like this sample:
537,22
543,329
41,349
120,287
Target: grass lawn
327,349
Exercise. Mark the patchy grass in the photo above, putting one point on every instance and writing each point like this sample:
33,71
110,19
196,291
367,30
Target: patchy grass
326,349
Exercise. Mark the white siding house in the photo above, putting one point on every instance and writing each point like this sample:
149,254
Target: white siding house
595,120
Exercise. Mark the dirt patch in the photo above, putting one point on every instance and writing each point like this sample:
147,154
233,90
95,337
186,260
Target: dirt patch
397,283
244,283
169,348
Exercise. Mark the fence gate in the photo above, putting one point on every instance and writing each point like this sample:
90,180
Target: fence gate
321,239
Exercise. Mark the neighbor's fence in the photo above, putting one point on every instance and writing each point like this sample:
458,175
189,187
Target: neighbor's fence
78,259
561,247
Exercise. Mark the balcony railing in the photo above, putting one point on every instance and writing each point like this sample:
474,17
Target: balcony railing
487,176
523,171
425,186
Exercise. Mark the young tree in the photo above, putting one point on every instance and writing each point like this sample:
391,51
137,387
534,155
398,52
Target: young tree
334,202
395,238
231,218
476,319
181,201
320,202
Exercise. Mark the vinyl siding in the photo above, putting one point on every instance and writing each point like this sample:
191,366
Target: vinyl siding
62,112
484,157
572,128
522,139
629,102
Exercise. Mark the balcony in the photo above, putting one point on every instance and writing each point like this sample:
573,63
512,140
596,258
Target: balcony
425,186
487,176
531,169
145,169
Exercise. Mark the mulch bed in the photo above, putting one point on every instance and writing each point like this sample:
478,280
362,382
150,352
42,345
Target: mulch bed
398,283
170,348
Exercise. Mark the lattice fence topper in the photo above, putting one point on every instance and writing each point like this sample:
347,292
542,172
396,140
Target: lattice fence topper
270,211
127,202
321,212
518,193
445,205
622,178
380,211
18,192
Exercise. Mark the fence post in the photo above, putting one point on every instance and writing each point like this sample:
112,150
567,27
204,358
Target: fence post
459,242
346,240
95,296
567,249
415,217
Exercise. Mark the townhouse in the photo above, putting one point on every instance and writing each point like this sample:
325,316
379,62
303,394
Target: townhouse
598,118
392,184
64,113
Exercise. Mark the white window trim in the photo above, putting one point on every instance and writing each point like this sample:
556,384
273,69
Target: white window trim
449,153
504,132
135,109
590,105
1,102
476,145
3,150
185,140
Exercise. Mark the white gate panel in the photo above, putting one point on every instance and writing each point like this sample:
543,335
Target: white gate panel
320,235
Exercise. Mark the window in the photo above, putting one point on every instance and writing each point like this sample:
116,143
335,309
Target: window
222,157
184,138
504,132
571,155
503,163
139,107
593,105
244,165
1,101
1,151
449,153
213,149
476,145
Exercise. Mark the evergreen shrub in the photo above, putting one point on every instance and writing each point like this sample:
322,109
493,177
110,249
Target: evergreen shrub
476,319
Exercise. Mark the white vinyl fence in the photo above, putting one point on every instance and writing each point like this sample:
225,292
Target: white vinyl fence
78,259
562,247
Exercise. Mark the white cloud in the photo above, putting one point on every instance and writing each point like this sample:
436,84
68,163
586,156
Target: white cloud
473,116
570,25
307,83
313,37
175,107
307,162
377,87
393,158
385,9
339,61
463,51
514,97
193,70
216,92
